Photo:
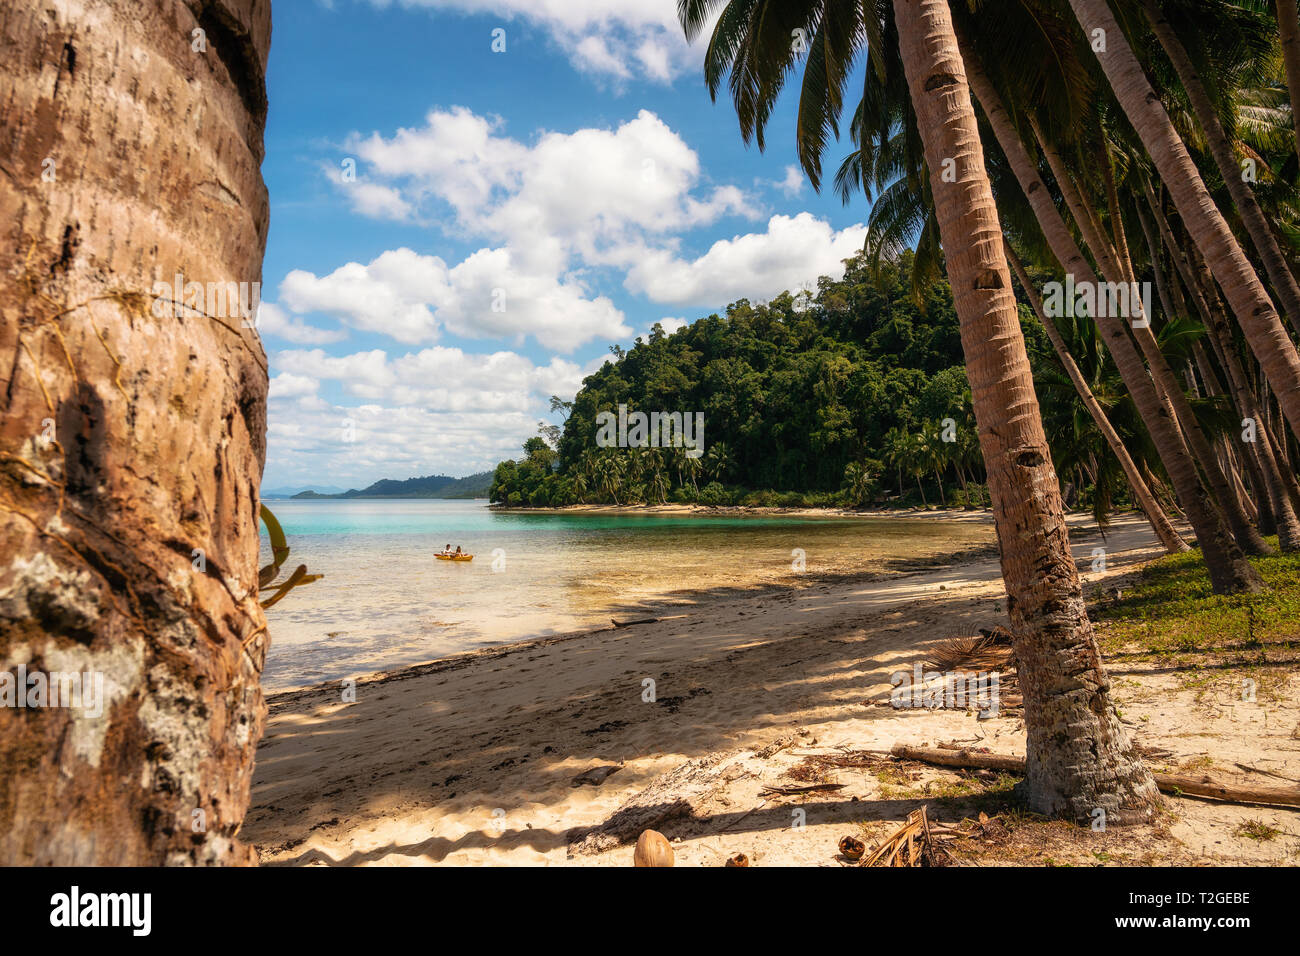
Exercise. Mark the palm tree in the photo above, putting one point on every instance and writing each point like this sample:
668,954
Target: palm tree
1289,29
717,461
610,471
1078,756
1250,302
857,482
1252,216
1160,522
134,460
1230,572
932,452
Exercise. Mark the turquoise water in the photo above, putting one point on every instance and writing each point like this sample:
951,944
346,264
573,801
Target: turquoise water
386,602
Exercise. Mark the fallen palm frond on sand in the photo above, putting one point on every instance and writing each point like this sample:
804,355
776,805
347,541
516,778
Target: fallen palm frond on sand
915,843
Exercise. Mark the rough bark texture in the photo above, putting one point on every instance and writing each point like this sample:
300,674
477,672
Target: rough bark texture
1228,567
1160,522
1079,757
128,441
1205,224
1288,26
1243,197
1261,452
1227,564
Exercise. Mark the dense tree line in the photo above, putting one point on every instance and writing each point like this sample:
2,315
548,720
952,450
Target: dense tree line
840,397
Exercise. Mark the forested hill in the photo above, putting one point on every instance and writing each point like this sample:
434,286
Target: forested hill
837,398
429,486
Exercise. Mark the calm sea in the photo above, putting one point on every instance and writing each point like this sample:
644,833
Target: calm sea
386,602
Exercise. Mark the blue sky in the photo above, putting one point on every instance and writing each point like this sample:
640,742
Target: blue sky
457,233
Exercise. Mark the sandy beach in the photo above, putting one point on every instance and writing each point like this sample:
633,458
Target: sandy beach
472,759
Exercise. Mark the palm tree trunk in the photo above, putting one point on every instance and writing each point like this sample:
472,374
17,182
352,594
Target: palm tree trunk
1230,572
1119,269
1220,336
1078,757
1252,217
1160,522
1250,302
1171,396
132,437
1289,27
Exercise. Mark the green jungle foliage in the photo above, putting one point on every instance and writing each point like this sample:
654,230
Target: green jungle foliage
836,398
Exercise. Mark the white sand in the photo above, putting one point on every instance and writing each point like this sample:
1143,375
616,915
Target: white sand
470,760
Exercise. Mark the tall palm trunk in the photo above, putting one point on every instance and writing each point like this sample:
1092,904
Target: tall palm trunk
1220,336
1118,269
1255,312
1078,757
132,438
1160,522
1229,570
1288,24
1252,216
1168,391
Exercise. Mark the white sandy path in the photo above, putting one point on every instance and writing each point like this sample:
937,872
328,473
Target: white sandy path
470,760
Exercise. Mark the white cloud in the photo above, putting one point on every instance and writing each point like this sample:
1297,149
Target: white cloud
590,192
792,184
273,320
412,297
438,410
437,379
605,38
794,251
288,385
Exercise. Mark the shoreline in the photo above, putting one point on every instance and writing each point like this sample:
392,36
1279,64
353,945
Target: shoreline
512,754
698,510
678,601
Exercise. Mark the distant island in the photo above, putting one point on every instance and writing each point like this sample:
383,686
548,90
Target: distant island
429,486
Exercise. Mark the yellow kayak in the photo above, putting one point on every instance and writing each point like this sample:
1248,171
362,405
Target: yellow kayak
454,557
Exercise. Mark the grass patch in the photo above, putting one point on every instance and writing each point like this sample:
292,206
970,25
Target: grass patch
1258,830
1170,609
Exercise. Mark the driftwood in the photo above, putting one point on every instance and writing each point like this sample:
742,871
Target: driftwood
811,788
644,620
1201,785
